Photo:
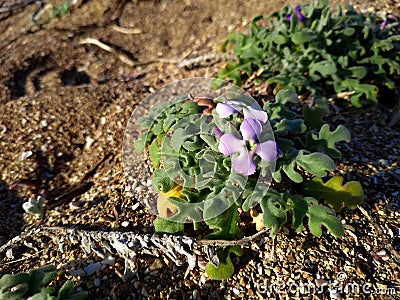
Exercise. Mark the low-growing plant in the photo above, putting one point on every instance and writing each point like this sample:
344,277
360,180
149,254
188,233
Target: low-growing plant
34,207
216,157
34,285
313,48
61,10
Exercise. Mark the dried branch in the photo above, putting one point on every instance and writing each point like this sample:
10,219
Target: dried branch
126,30
16,5
185,63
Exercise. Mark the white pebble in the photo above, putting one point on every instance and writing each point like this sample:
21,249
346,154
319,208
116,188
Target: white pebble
89,142
26,154
235,291
125,224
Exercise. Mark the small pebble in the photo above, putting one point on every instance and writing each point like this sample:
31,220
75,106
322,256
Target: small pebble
92,268
125,224
26,154
79,272
97,282
144,292
109,260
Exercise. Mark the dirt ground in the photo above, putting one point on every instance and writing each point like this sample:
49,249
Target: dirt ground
64,105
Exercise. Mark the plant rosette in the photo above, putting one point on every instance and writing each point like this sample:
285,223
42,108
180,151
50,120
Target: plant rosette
213,155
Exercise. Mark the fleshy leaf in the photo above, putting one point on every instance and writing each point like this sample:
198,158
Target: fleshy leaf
286,96
315,163
313,115
161,181
274,212
155,154
334,193
325,142
319,215
14,286
166,226
226,225
225,268
299,208
286,126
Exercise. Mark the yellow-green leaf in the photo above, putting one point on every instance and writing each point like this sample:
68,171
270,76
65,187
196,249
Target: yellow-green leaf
334,193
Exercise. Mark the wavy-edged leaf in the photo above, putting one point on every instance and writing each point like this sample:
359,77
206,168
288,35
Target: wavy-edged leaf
334,193
226,225
274,212
319,215
286,126
225,268
326,139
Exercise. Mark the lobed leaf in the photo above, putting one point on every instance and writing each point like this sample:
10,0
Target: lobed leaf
334,193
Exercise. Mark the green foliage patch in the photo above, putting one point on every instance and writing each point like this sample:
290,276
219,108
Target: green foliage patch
318,49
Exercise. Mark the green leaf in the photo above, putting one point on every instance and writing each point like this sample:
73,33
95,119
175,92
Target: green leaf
162,226
140,143
325,68
319,215
301,37
41,277
226,225
316,163
161,181
299,208
41,296
225,268
14,286
67,292
155,154
286,126
334,193
274,212
286,96
358,72
325,142
313,115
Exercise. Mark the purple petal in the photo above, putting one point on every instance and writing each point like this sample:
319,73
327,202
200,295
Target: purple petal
218,133
288,17
250,129
229,144
297,8
244,164
255,112
225,110
267,150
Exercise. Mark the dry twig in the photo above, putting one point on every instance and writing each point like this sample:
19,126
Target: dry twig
16,5
184,63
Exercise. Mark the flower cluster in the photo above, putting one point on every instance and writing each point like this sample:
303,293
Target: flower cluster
250,129
298,13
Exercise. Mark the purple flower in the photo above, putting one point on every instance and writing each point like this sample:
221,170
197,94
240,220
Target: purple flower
247,147
249,111
383,25
298,13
